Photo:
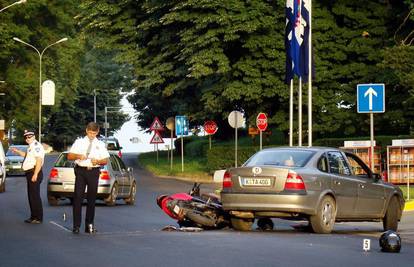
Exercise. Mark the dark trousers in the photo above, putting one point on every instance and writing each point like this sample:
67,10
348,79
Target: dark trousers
33,193
90,178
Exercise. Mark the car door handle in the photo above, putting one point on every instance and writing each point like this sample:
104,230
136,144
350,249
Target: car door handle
362,186
337,182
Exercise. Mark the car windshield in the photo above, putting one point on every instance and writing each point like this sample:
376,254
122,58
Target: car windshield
11,153
285,158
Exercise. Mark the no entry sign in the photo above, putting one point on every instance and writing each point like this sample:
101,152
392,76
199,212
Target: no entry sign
210,127
261,121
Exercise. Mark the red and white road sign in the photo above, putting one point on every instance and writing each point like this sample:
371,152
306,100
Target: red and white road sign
156,139
261,121
210,127
156,125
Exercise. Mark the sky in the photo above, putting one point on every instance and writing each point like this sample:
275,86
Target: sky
130,129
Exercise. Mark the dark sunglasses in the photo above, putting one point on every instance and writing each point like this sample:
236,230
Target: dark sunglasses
28,136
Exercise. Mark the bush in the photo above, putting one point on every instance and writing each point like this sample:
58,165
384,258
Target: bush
222,157
196,148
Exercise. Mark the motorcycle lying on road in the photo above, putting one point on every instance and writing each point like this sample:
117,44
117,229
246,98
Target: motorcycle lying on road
194,209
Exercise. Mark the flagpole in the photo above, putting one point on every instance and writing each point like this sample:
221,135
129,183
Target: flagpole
291,114
300,113
310,78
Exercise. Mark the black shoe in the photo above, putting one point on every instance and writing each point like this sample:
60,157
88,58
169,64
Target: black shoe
90,229
75,230
33,221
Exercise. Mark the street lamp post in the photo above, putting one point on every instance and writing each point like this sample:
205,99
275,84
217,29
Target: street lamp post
15,3
40,76
106,119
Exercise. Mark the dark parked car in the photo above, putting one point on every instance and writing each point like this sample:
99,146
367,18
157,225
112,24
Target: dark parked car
116,181
112,144
14,161
318,184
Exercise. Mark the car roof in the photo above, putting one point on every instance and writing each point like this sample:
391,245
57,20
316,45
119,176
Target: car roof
303,148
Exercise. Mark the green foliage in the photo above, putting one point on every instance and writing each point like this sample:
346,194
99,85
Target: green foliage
194,167
74,66
197,148
223,156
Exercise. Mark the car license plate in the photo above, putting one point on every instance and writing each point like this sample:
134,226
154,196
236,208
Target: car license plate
16,167
256,182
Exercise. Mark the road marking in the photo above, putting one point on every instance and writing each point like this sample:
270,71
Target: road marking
66,229
60,226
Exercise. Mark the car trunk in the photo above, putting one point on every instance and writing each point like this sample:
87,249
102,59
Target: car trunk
66,175
264,179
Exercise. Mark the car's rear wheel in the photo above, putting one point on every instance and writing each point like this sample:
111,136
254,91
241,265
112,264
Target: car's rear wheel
240,224
390,221
324,220
111,200
3,187
131,199
53,201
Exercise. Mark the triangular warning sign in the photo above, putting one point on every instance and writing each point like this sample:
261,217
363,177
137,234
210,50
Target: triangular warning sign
156,139
156,125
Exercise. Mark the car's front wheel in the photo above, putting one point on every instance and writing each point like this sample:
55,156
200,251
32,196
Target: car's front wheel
240,224
111,200
390,221
324,219
131,199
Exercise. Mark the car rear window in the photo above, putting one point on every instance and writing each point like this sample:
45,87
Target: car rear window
63,161
285,158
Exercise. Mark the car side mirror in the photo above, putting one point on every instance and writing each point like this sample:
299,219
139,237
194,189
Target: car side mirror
130,169
120,147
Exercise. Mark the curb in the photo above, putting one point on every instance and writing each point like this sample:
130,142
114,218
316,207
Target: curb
409,205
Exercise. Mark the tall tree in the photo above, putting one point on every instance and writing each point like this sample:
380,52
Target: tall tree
205,58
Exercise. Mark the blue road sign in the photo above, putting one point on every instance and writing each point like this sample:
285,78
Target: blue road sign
371,98
181,125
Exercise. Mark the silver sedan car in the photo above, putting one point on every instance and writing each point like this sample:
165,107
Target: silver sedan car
14,161
318,184
116,181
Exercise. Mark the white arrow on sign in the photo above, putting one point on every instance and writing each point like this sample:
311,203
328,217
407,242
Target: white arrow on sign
369,93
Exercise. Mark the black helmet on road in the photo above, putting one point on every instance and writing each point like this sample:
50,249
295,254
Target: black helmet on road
390,241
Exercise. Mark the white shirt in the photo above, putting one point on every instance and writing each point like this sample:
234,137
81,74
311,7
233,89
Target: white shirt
98,151
35,150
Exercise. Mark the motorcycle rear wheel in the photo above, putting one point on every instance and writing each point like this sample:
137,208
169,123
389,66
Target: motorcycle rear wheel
201,219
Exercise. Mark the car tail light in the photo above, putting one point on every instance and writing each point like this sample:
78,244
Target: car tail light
294,182
54,173
104,175
120,153
227,180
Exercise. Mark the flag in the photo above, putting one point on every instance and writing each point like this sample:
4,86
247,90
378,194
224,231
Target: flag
297,39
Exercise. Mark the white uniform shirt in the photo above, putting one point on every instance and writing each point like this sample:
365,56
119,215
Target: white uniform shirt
98,151
35,150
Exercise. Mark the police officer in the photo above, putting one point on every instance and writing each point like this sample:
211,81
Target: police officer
89,154
32,166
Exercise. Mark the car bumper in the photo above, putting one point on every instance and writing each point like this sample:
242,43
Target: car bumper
284,203
67,190
11,170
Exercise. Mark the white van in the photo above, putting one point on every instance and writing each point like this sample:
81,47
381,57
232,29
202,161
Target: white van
2,169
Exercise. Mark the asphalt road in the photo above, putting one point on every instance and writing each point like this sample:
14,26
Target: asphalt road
132,236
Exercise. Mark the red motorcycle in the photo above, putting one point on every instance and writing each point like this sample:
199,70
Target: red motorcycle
195,210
